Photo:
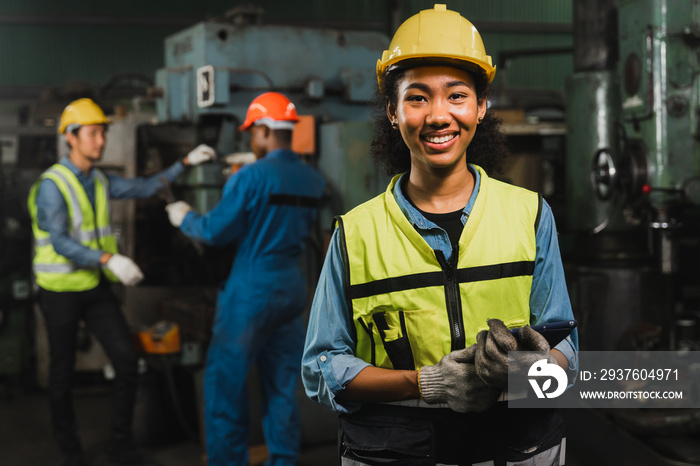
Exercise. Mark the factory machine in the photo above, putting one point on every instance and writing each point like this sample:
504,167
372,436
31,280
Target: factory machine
633,198
213,70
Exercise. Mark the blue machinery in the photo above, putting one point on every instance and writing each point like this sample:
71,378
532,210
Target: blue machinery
213,70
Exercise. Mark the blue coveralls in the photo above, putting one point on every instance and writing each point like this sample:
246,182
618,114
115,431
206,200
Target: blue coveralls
267,209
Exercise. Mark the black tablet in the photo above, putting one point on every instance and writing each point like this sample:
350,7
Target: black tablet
554,332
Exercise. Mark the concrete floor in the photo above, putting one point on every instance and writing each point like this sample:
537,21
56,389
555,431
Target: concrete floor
26,440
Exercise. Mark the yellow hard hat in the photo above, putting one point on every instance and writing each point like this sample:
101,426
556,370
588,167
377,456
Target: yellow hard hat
440,34
82,112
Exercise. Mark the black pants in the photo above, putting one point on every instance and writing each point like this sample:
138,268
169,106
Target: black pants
381,434
100,309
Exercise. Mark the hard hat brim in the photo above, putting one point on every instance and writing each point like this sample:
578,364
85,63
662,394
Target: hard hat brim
64,129
469,66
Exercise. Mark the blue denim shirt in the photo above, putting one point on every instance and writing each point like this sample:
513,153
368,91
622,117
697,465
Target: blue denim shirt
52,211
329,363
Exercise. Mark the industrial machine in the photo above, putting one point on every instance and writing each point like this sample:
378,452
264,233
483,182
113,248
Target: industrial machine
213,70
15,274
24,153
633,168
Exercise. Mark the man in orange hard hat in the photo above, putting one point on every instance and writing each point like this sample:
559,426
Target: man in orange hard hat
268,209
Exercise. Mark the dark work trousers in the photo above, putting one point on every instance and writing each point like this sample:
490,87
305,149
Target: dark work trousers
100,309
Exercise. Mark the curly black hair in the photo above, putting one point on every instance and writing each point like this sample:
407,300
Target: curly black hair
488,148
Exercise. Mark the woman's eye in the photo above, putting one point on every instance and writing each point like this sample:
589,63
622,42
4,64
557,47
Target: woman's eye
415,98
459,95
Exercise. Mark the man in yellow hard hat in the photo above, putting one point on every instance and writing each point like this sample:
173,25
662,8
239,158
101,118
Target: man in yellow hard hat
76,260
408,335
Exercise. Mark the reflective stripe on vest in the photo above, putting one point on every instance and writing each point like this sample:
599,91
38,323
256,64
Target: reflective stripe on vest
409,305
90,227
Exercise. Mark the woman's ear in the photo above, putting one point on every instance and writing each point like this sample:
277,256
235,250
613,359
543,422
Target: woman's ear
391,114
481,109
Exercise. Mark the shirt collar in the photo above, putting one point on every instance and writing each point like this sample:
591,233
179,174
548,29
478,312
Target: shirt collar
416,218
284,154
71,166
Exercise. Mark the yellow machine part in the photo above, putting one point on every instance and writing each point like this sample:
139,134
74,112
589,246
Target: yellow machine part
161,338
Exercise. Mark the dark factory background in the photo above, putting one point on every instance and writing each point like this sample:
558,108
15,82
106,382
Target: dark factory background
600,101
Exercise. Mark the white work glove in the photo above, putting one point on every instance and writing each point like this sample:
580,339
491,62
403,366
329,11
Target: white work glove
176,212
200,154
454,381
492,352
125,269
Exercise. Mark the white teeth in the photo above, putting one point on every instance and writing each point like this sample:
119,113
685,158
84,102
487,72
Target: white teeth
439,140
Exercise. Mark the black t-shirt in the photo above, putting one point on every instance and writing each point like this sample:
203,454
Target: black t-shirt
451,222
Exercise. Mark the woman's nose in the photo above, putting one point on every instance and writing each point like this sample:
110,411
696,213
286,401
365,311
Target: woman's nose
439,114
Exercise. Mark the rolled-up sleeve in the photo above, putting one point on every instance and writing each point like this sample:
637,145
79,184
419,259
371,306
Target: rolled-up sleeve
549,298
329,362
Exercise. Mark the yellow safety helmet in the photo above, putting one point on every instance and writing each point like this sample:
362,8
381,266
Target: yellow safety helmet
82,112
439,34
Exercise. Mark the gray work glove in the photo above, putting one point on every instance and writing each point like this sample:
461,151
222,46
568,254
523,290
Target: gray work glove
454,381
124,269
492,348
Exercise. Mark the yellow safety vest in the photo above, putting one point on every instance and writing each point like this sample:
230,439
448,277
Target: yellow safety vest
409,305
91,228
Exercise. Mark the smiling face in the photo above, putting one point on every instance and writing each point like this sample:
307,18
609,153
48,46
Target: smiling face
437,111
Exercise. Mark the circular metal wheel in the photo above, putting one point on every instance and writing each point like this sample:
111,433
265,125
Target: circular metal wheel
604,174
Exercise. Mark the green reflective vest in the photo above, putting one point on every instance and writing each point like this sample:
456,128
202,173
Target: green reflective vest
409,305
91,228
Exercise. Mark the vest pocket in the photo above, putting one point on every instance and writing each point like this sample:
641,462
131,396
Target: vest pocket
396,343
408,339
367,327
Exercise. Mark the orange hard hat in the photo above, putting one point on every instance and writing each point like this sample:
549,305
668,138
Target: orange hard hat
272,109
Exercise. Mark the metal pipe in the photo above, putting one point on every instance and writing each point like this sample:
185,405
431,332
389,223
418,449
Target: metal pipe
595,35
86,20
365,24
524,27
504,56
